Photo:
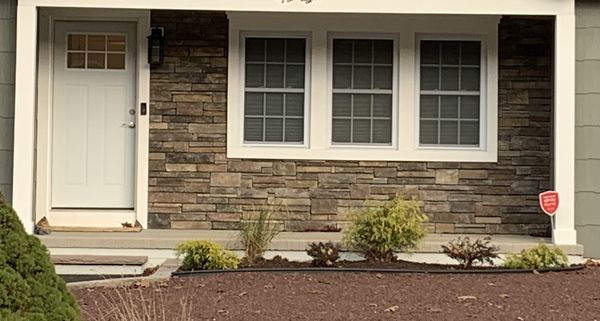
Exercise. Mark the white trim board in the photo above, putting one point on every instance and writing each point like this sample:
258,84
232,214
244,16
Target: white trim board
94,218
491,7
405,30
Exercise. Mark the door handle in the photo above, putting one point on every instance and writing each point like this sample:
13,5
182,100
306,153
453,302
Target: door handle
129,124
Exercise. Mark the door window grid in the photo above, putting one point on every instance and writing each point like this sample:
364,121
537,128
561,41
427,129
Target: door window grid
96,51
350,123
458,122
274,90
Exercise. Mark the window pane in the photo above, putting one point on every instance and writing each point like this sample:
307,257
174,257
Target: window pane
341,131
255,49
430,78
382,78
471,53
294,130
274,130
96,43
274,76
253,129
449,132
429,106
449,78
469,107
382,131
450,52
362,77
255,75
115,61
342,77
95,60
116,43
75,60
294,76
341,105
382,105
361,131
254,104
296,50
294,104
428,132
362,106
430,52
469,79
275,50
384,51
76,42
342,51
274,105
449,107
363,51
469,132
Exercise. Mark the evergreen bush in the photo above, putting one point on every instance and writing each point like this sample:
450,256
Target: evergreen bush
205,255
539,257
30,289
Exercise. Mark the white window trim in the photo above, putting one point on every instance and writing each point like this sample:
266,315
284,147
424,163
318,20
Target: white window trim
483,80
242,51
367,36
319,28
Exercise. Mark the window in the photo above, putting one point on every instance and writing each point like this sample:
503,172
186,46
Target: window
363,80
275,90
450,97
96,51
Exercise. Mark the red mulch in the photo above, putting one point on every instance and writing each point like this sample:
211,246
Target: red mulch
359,296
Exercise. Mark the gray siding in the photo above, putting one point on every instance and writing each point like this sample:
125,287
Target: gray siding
587,176
7,97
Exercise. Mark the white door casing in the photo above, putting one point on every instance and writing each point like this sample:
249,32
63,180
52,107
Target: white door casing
94,106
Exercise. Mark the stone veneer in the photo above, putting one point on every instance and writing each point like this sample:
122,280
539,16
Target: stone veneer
193,185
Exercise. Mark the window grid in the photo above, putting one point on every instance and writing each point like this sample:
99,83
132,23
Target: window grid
105,52
352,91
264,90
450,93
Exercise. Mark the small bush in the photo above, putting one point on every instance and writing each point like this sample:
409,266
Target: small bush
466,252
539,257
205,255
378,232
324,254
256,235
29,286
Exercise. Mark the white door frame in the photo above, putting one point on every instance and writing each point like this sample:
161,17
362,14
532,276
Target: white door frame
90,218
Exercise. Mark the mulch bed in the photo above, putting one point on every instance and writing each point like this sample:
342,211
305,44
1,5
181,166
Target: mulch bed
355,296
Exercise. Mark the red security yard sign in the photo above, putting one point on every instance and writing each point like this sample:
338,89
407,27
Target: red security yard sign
549,202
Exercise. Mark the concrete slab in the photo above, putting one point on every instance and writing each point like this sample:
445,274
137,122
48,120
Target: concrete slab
286,241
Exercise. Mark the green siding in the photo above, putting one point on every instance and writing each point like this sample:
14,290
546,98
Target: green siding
7,81
587,150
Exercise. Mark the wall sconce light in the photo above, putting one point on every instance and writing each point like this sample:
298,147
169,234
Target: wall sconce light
156,46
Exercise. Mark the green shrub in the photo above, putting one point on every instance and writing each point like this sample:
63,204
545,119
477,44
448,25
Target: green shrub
324,254
29,286
378,232
205,255
539,257
466,252
256,235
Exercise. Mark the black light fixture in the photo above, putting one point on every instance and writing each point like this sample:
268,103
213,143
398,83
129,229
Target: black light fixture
156,46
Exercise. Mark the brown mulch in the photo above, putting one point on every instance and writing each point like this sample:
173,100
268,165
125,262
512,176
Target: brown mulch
278,262
251,296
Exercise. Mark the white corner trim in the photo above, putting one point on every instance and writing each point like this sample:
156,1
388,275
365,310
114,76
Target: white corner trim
403,28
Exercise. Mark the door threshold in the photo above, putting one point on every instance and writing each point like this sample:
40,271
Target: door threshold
44,227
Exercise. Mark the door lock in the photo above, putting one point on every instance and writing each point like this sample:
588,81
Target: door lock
129,124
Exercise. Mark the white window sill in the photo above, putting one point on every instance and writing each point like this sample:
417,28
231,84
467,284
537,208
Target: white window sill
370,154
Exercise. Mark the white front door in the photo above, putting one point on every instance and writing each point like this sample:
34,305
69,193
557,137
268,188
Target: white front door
93,116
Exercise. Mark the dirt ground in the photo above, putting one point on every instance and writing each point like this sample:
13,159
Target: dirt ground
353,296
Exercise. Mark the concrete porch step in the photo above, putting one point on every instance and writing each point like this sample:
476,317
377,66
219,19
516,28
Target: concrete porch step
99,264
118,260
